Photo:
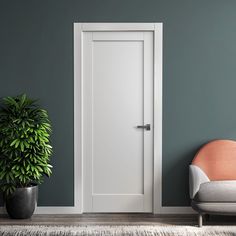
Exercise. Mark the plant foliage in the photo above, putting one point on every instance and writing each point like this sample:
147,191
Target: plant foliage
24,143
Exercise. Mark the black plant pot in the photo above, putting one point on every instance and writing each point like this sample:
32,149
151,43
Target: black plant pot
21,204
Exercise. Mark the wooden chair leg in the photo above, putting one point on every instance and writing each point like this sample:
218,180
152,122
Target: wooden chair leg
200,218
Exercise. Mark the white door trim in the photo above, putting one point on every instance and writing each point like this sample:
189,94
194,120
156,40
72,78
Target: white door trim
79,28
157,181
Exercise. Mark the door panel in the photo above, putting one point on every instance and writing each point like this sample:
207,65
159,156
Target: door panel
118,66
117,96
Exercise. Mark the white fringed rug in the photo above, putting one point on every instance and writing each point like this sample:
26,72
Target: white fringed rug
23,230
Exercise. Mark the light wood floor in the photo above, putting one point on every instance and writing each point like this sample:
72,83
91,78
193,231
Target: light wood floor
118,219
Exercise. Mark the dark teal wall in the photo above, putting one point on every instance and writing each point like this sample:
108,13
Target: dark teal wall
199,93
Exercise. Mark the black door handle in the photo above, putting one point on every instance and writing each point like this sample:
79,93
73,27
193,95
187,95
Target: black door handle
147,127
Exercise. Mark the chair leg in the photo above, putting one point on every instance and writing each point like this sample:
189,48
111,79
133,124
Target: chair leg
200,220
207,217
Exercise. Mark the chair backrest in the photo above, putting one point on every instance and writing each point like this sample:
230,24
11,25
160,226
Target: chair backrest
217,159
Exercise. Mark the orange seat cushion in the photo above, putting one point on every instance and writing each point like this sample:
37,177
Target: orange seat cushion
217,159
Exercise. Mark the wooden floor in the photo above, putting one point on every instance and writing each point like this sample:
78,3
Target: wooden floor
117,219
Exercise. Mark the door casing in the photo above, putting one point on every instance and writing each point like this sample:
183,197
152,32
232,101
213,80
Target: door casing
79,29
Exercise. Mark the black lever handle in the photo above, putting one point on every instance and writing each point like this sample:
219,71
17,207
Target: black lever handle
147,127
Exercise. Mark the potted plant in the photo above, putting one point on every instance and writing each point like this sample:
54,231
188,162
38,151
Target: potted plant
24,153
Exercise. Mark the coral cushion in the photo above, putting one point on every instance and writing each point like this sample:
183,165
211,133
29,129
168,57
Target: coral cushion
217,159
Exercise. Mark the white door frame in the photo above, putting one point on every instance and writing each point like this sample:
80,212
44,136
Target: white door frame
79,28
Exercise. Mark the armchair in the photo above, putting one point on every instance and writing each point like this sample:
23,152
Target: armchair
212,179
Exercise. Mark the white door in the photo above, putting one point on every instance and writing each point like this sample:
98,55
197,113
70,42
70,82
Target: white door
117,97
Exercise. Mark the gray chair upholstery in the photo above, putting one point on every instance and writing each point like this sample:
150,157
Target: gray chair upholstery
196,178
211,197
217,191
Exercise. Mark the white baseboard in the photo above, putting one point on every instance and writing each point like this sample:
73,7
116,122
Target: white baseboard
177,210
50,210
57,210
74,210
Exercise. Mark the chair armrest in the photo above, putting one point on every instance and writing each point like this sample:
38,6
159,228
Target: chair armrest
196,177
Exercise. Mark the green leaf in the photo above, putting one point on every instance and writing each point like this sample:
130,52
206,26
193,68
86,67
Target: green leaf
22,170
22,146
17,143
13,142
2,174
39,168
11,175
22,99
7,177
37,172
